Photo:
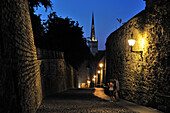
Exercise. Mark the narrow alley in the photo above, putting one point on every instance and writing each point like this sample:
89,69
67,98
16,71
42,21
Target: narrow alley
70,61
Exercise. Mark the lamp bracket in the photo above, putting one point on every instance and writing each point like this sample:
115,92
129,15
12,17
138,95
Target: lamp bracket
140,52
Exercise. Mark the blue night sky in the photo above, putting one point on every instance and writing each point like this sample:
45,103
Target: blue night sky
105,14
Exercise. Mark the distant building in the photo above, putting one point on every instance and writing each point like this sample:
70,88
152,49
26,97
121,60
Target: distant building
93,42
88,71
87,68
100,72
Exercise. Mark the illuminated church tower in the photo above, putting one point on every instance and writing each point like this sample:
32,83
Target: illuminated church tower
93,42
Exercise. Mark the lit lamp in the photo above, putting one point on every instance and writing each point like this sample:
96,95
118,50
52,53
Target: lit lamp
101,75
98,71
101,65
94,76
94,79
132,43
98,78
88,83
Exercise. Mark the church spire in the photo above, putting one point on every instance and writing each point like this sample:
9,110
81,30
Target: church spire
93,38
93,43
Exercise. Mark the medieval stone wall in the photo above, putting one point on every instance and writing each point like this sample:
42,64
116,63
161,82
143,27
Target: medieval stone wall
21,79
56,74
20,86
143,79
53,76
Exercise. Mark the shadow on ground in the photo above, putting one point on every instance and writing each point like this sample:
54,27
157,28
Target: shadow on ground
79,101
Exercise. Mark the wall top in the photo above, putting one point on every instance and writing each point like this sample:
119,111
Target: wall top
151,3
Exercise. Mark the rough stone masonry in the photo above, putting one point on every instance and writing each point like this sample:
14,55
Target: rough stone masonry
143,79
56,74
24,78
20,86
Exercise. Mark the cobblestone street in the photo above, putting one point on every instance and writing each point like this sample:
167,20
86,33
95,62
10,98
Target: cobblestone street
79,100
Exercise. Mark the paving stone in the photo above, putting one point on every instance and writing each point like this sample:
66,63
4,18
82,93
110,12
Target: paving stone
79,100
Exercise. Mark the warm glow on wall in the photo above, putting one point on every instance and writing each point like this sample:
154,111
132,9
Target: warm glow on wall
140,43
143,42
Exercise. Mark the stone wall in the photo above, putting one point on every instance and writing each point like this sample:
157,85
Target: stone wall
83,73
20,86
53,76
20,82
56,74
72,75
143,79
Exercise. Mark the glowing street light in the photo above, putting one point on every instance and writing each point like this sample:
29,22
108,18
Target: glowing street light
88,83
101,65
94,79
94,76
98,71
101,75
132,43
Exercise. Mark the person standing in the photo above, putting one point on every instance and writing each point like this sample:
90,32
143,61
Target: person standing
112,89
117,89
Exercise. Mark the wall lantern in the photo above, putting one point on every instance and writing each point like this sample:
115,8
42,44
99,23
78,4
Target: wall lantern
101,65
132,43
98,71
88,81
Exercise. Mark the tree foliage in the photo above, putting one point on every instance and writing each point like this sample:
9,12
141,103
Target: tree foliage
59,34
38,3
38,29
66,35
